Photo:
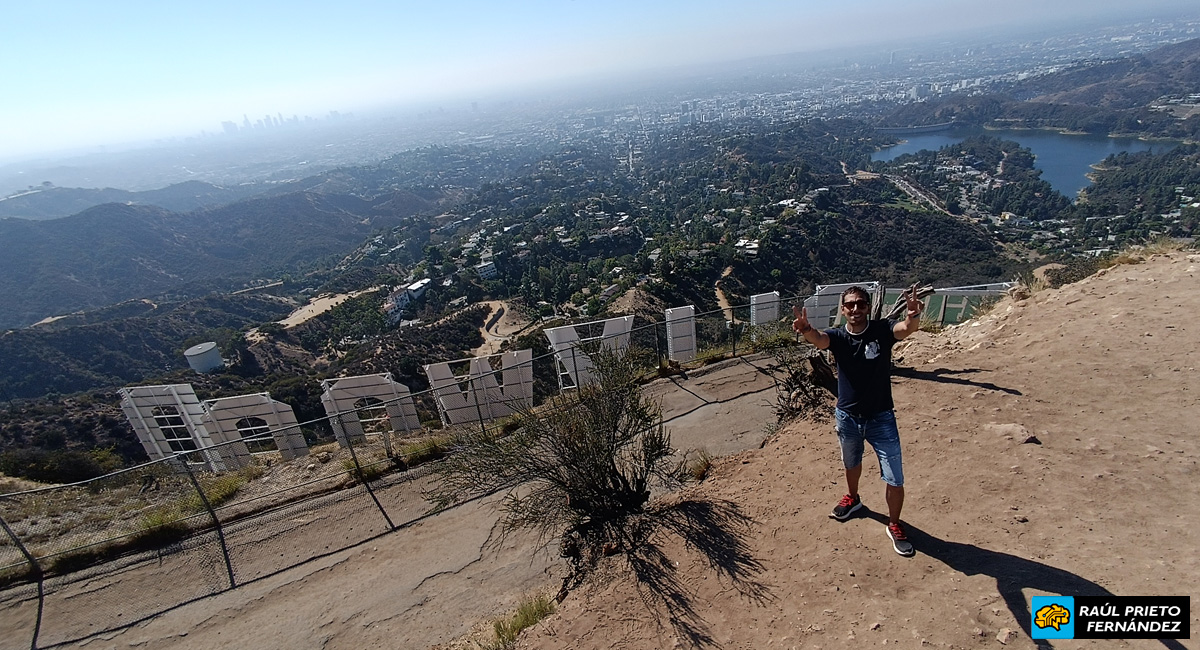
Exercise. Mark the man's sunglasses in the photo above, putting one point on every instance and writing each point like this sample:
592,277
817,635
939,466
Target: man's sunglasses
856,304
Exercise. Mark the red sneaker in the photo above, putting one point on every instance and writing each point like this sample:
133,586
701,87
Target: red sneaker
846,507
899,540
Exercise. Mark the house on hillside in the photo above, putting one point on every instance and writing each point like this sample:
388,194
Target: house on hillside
401,297
487,270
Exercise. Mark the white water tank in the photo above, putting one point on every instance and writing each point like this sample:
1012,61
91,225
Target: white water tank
204,357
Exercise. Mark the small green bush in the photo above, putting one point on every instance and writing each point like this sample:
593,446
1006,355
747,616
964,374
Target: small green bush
529,612
217,489
424,451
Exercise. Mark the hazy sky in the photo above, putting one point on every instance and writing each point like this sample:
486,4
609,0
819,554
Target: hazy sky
82,73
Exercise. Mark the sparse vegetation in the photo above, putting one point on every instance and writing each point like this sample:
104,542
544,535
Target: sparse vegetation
219,488
803,392
371,468
1030,284
160,527
423,451
529,612
1078,268
930,324
696,464
584,464
985,306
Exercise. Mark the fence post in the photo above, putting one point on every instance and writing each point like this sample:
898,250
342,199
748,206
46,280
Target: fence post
386,431
37,574
575,365
216,521
363,477
478,408
733,329
657,346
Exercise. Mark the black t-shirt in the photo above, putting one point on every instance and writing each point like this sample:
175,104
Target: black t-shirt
864,367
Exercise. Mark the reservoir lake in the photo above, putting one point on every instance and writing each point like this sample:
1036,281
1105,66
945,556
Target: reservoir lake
1064,160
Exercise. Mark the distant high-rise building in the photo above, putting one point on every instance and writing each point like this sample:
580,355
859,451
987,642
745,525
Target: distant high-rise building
230,128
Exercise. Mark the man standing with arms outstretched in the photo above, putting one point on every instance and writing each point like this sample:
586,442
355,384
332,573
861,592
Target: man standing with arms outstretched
864,413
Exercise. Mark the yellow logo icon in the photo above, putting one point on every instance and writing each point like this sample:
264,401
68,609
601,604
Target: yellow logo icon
1053,616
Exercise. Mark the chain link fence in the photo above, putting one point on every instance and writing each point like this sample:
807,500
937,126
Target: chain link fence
77,560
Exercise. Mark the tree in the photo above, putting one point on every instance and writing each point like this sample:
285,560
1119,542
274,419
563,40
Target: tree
434,255
582,466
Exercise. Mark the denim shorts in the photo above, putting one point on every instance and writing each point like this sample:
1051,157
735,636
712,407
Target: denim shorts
879,430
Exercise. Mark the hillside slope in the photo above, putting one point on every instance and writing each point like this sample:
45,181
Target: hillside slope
1101,372
1126,83
55,202
116,252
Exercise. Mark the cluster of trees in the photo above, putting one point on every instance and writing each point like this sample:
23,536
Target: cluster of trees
1035,200
856,241
1145,183
1133,197
355,319
66,441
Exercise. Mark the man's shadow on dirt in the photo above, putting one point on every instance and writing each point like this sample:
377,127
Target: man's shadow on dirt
720,532
947,376
1013,574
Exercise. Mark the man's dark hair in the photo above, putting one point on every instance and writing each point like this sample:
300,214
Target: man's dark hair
860,291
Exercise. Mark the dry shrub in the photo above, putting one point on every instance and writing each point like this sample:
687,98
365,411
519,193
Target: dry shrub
581,467
696,464
802,391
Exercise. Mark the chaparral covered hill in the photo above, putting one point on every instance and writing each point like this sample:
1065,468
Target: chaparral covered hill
1050,448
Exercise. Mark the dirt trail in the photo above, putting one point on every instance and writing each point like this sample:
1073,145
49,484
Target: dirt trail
503,322
722,301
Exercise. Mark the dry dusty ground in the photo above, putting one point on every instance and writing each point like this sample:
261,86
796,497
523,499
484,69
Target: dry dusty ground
320,305
1103,373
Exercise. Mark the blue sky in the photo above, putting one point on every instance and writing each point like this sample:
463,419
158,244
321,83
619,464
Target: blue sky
77,74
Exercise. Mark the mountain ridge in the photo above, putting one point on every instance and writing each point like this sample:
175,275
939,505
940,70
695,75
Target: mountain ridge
1127,83
115,252
50,202
1109,97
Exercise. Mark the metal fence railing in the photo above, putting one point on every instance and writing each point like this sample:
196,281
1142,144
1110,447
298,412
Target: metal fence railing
152,537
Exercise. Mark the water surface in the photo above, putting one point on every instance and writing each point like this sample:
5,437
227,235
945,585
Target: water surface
1064,160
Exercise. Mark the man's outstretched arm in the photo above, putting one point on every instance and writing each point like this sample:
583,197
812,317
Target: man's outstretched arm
912,320
805,329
